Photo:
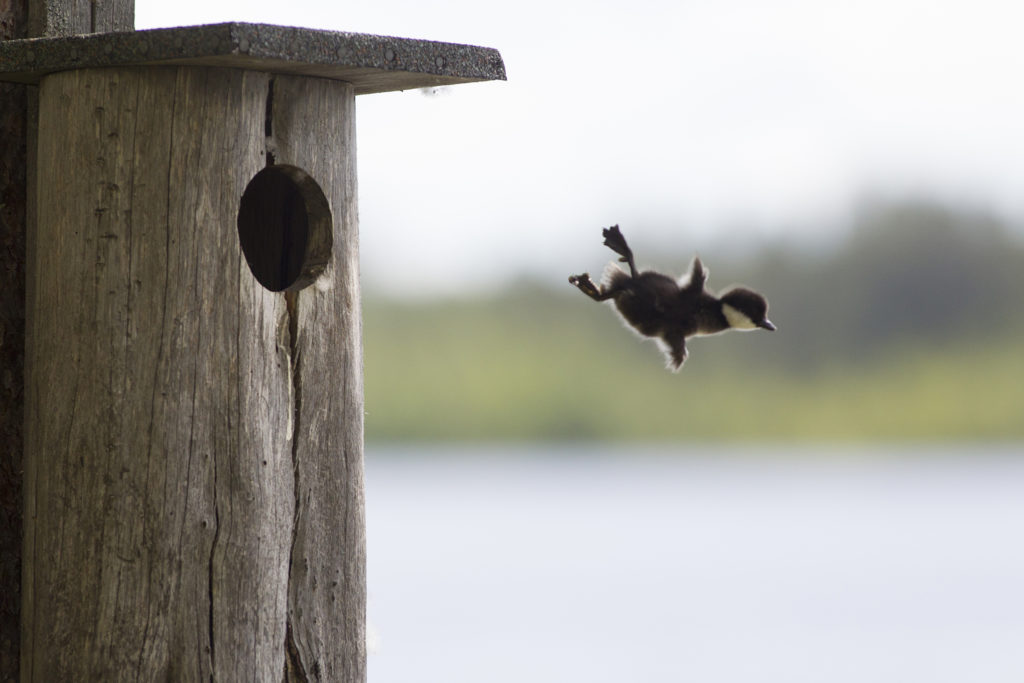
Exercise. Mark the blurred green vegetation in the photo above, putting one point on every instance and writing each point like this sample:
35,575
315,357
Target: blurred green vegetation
911,328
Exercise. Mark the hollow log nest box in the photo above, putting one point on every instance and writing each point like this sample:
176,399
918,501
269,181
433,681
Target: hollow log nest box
194,391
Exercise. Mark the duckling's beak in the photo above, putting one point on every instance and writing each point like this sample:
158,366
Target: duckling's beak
766,324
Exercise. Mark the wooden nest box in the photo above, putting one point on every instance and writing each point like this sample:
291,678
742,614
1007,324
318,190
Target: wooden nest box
194,390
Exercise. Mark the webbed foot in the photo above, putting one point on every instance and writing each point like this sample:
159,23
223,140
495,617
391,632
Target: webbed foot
614,240
587,286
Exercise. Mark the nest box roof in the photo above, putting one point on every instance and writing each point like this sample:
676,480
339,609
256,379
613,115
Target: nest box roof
371,63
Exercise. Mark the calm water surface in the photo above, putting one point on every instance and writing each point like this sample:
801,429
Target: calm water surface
712,565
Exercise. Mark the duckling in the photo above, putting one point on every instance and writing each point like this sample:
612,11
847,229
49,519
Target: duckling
657,306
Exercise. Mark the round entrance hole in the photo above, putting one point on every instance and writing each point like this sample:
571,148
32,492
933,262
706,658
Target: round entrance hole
285,228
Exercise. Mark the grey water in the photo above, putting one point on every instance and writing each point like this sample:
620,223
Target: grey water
707,564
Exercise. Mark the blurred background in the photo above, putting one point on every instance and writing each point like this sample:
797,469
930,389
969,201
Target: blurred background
862,166
834,501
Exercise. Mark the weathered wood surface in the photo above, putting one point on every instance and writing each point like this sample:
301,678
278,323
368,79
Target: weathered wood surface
326,595
174,526
370,63
22,19
71,17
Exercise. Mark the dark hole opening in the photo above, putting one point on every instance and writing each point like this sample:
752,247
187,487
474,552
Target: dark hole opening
284,226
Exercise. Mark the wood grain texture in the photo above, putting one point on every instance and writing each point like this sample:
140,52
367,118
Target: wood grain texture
161,475
20,20
71,17
18,108
327,581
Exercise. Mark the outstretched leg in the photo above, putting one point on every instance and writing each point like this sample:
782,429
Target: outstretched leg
587,286
674,345
614,240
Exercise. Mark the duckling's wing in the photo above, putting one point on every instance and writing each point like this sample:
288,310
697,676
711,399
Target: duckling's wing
697,277
614,278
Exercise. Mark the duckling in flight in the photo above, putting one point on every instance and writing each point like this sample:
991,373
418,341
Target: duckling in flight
657,306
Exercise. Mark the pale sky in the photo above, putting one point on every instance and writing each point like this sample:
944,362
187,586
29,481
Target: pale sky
685,122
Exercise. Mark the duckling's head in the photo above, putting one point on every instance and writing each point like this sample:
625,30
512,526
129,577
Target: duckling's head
745,309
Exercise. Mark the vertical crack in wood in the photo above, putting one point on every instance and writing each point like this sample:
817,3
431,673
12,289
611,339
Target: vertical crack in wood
294,669
268,124
212,574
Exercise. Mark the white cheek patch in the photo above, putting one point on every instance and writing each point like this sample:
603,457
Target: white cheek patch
736,319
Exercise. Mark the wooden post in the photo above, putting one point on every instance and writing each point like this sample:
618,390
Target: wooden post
70,17
194,391
18,110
